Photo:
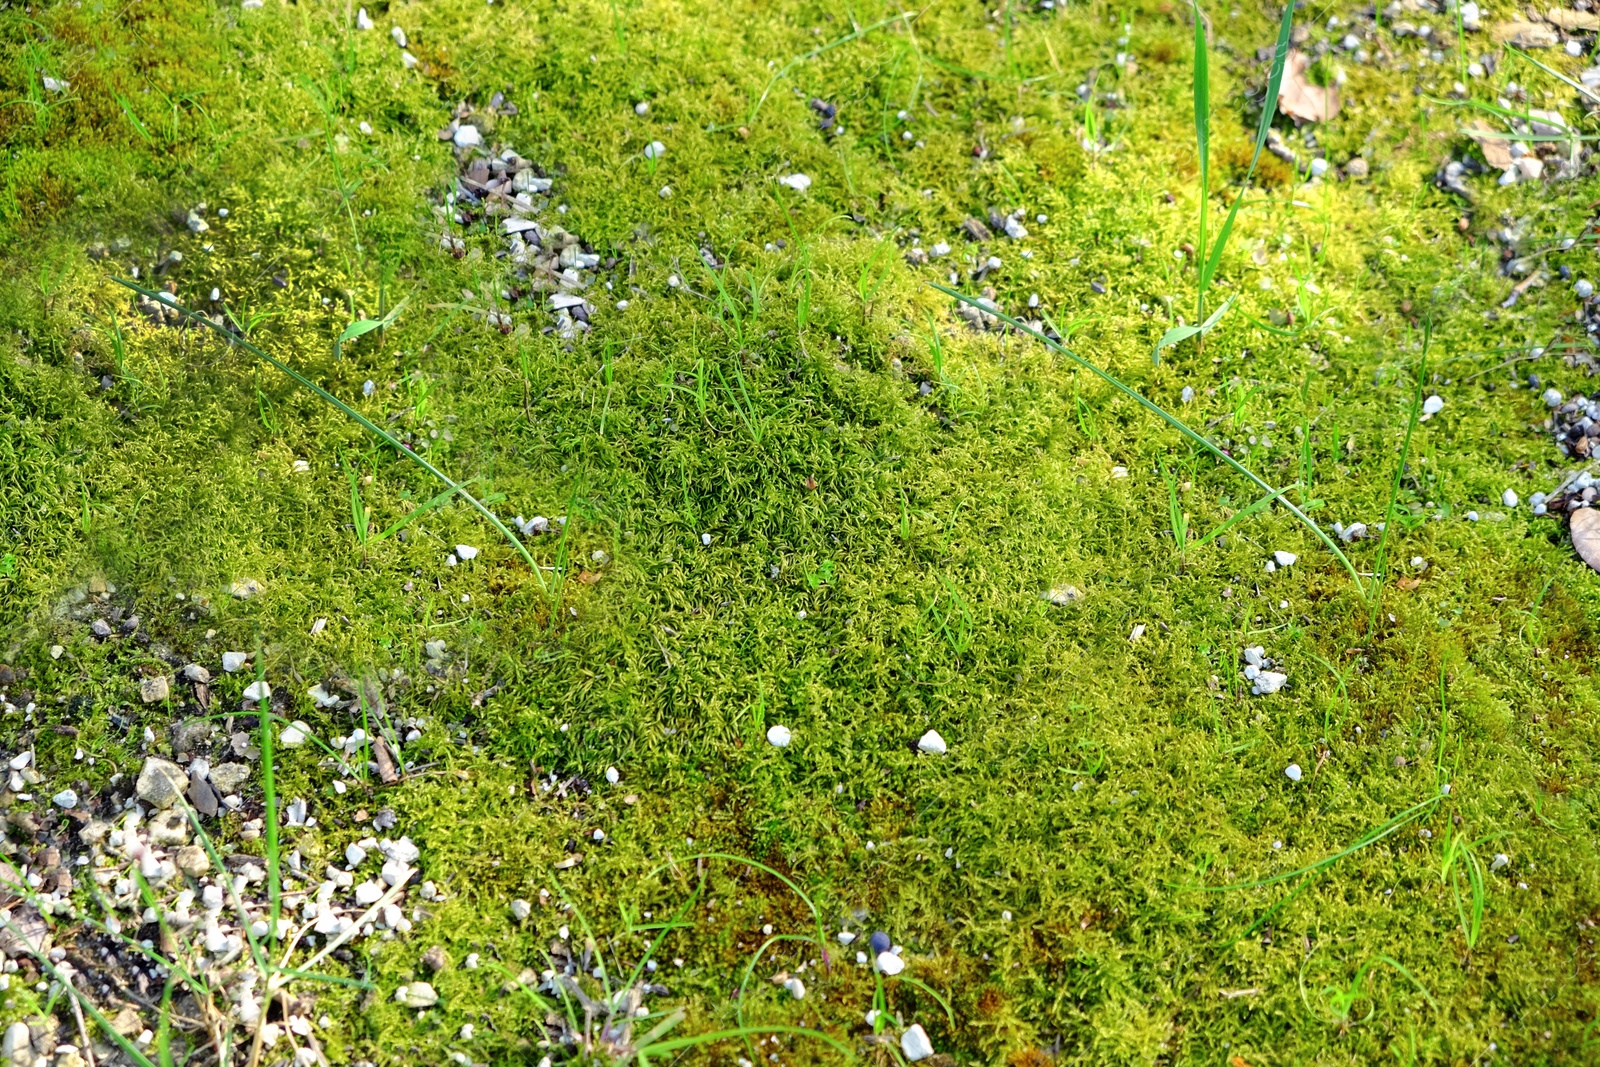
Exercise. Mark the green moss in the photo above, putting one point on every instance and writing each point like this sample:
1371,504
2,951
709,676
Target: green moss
878,556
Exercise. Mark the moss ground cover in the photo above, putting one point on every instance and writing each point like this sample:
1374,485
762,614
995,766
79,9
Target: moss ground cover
798,488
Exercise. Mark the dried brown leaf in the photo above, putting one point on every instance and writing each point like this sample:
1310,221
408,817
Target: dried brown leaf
1586,536
1300,99
1573,21
1496,151
1526,35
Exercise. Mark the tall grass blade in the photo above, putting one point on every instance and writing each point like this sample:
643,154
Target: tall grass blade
1171,420
1202,139
857,34
353,414
1269,107
1381,562
1378,833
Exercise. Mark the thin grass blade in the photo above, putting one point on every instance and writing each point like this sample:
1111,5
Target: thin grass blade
1210,262
351,413
1171,420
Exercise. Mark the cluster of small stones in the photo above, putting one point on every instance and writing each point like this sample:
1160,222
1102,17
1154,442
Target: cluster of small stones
507,191
156,885
62,841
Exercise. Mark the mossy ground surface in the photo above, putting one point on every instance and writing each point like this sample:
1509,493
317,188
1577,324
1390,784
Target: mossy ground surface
881,526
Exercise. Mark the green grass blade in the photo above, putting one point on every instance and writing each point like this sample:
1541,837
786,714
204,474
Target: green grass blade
1169,418
1372,836
1210,262
783,71
745,1031
822,935
926,988
1202,134
1244,513
353,414
1381,560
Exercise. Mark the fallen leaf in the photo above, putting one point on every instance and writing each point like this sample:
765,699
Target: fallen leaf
1238,1061
1586,536
1408,584
1526,35
1573,21
588,577
387,773
1299,98
1496,150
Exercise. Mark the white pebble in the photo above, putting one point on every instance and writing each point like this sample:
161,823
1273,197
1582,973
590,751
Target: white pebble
65,799
613,775
932,743
1433,405
655,150
1284,559
1509,498
890,964
779,736
1293,772
915,1044
642,107
232,661
798,182
466,552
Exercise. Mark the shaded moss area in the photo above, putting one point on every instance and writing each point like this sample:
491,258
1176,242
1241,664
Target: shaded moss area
823,500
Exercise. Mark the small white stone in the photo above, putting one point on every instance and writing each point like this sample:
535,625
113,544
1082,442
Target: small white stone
798,182
1433,405
257,690
846,937
613,775
642,107
779,736
363,20
466,552
796,988
666,192
1500,862
932,743
655,150
520,910
417,995
232,661
1293,772
1284,559
65,799
890,964
915,1044
397,33
354,856
293,736
1509,498
1269,682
